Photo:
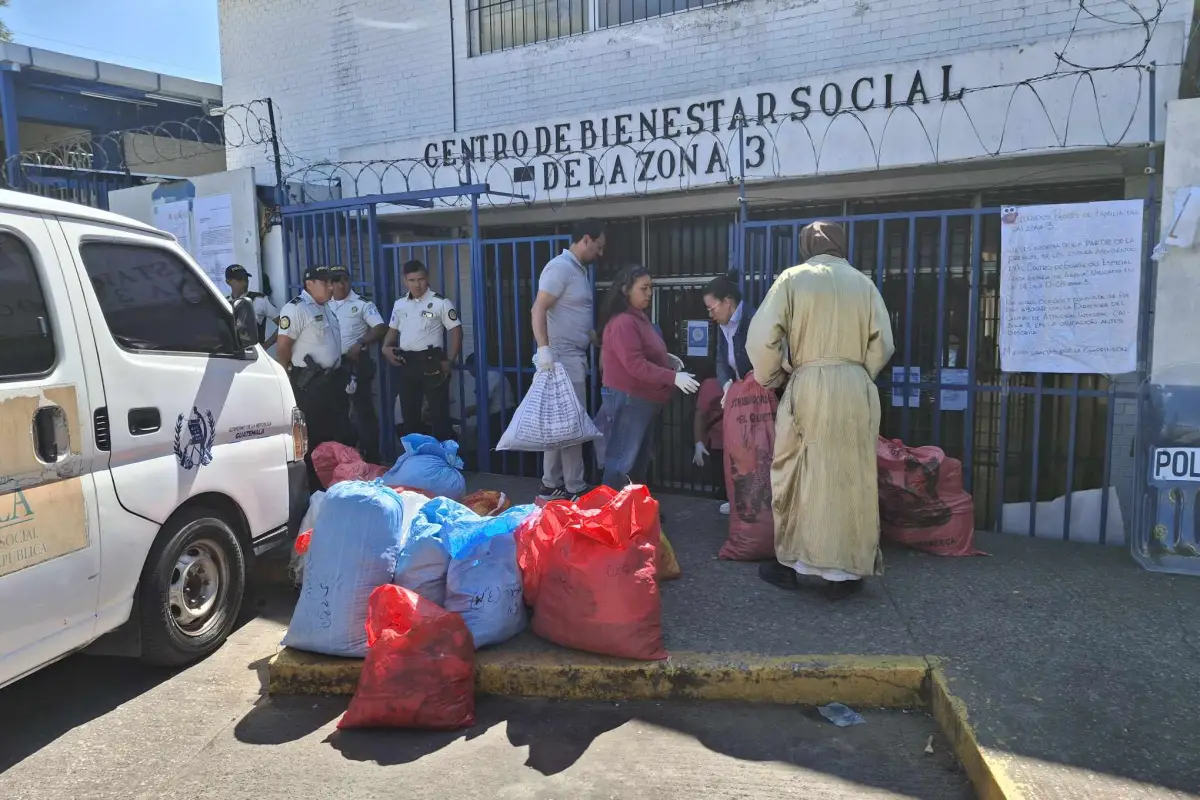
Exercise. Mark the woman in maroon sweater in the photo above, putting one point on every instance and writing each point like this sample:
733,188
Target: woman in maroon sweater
639,374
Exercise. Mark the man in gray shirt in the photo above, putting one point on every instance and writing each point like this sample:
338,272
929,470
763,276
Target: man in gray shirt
563,327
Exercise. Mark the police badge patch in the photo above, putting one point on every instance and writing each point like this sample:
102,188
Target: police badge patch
453,315
197,451
284,323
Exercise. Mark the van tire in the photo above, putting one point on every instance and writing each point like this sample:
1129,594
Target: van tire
191,589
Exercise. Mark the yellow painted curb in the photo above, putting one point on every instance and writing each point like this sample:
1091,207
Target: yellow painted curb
986,774
878,682
863,681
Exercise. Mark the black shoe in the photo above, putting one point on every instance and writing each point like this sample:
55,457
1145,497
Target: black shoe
840,590
574,496
558,493
778,575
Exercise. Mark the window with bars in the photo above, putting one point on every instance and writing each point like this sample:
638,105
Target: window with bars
497,25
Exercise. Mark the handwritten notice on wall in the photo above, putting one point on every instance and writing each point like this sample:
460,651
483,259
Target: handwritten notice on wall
1069,287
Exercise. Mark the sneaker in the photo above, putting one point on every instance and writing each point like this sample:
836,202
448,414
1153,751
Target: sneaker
547,494
724,509
574,496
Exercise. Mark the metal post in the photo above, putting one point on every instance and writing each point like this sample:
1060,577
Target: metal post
1146,308
742,215
479,309
279,188
12,129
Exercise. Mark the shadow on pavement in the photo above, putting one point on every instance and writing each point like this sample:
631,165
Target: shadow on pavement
53,701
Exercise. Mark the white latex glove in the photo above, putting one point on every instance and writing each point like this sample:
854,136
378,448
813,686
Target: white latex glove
676,362
701,452
725,391
544,360
686,382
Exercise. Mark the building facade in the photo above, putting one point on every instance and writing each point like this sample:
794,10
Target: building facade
707,130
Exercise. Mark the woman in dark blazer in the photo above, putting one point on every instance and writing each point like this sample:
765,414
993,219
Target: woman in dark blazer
723,299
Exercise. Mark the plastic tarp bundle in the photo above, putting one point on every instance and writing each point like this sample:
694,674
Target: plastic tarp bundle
429,466
748,428
550,416
483,581
598,589
922,503
335,462
420,669
353,550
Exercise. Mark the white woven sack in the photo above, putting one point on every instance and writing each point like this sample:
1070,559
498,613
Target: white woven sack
550,417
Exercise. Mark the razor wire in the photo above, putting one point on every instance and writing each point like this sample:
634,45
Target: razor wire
237,126
752,148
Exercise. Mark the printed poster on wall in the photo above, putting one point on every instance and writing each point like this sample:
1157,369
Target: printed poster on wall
1070,278
214,235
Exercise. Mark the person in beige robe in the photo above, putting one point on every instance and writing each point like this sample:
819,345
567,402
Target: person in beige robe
825,323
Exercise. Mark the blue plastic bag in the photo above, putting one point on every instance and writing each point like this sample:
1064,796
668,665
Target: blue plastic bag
429,465
483,583
353,550
424,559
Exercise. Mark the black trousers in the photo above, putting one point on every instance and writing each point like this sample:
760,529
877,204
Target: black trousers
365,420
324,402
421,380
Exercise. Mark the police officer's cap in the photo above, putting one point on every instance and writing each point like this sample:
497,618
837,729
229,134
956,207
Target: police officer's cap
338,273
236,271
318,273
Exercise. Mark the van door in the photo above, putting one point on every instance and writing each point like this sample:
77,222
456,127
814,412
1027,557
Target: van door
49,522
191,412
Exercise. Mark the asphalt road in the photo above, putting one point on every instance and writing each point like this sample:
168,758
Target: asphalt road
106,728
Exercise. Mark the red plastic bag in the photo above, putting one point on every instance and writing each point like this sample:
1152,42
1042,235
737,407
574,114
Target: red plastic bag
420,669
598,589
335,462
303,541
749,433
534,538
922,503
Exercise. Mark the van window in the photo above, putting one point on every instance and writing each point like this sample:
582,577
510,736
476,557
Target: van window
26,340
153,301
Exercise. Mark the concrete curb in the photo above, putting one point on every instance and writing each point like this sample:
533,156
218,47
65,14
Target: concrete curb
863,681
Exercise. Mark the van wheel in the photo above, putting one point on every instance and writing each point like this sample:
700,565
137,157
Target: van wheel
191,589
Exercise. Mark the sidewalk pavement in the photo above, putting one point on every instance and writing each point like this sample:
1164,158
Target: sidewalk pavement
1079,671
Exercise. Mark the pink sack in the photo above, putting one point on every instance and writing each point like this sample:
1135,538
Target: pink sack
749,433
335,462
922,503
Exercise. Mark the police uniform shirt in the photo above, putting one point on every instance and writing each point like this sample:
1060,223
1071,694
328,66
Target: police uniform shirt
314,329
355,316
263,309
420,323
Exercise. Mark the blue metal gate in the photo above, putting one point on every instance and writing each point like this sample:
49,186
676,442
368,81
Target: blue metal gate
1024,439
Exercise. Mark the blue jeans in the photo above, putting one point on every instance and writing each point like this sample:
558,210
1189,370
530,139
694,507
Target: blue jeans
630,442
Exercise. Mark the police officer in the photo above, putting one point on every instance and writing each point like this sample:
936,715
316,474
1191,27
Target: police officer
414,345
309,347
360,326
250,309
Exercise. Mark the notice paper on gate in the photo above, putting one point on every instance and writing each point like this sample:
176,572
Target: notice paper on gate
1070,279
1177,464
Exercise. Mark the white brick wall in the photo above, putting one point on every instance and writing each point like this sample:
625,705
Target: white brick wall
346,73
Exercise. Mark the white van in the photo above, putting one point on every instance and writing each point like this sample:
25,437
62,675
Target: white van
145,455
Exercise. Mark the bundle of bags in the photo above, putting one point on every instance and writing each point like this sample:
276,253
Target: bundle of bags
427,466
367,535
922,502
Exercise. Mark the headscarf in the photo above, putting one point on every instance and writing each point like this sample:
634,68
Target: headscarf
822,239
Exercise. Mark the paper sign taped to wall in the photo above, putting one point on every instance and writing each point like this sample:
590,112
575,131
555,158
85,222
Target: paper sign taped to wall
697,338
1070,278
